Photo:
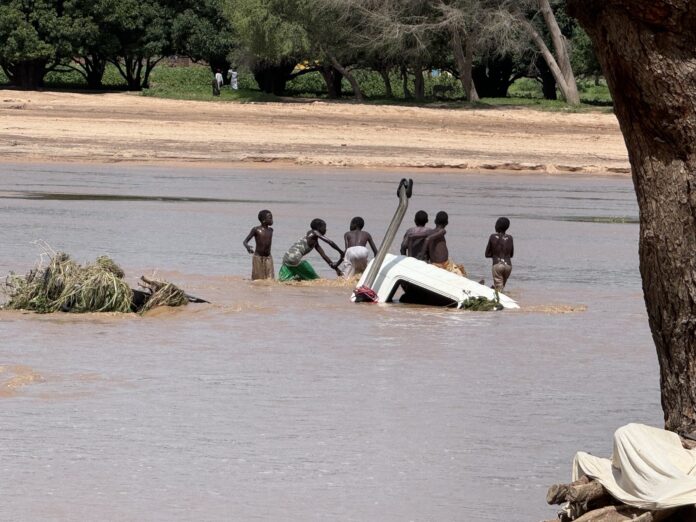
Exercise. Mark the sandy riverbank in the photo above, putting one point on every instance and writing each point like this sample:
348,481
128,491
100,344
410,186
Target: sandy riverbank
113,127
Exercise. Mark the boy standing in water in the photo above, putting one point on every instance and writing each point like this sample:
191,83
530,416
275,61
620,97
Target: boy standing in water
356,241
295,268
262,262
414,238
435,246
501,250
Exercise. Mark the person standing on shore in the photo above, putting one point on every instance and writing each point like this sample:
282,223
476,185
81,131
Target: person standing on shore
262,262
219,79
500,249
233,79
298,269
356,241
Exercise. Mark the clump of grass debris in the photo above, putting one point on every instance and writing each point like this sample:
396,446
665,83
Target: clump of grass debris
64,285
162,293
482,304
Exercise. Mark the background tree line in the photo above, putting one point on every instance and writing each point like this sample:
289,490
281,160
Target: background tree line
485,44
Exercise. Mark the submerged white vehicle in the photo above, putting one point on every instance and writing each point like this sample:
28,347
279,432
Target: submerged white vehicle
427,284
420,282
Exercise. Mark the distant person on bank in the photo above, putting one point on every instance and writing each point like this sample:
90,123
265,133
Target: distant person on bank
298,269
356,241
233,79
262,262
501,249
219,79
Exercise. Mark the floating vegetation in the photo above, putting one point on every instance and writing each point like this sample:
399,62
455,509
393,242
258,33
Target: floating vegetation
162,293
482,304
66,286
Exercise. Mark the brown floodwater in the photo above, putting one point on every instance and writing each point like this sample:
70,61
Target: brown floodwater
288,402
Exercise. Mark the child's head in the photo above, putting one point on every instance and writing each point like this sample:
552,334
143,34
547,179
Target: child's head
441,218
502,225
421,218
319,225
265,217
357,223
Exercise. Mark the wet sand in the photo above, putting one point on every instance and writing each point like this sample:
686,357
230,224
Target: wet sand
287,402
122,127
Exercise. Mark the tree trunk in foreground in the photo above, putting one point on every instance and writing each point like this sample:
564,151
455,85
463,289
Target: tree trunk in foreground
647,49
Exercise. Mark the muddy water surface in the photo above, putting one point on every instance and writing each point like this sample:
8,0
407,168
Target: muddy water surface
290,403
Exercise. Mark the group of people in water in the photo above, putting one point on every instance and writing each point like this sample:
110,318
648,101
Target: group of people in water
422,242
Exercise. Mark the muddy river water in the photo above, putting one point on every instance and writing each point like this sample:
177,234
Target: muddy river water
286,402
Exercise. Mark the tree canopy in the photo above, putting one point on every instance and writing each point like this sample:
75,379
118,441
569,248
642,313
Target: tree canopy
485,44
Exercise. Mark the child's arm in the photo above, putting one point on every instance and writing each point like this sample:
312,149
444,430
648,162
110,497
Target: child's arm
512,247
372,243
247,239
323,254
489,247
429,239
404,245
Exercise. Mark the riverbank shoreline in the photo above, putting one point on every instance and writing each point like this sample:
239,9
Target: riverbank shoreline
65,127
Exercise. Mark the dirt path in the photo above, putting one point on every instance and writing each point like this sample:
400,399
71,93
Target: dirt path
51,126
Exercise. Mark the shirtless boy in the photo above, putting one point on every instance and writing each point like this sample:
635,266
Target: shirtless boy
501,250
414,238
435,246
356,241
298,269
262,262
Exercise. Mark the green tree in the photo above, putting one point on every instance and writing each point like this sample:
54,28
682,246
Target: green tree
36,36
98,40
203,32
143,31
272,41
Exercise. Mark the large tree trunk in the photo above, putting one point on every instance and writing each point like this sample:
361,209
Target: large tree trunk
404,78
272,77
493,76
333,80
28,74
647,49
419,83
548,82
384,73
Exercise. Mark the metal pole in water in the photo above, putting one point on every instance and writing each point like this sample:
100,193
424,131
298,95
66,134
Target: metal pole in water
365,292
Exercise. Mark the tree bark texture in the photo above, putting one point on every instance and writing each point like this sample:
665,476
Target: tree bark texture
647,49
384,73
333,80
418,83
464,61
272,77
404,77
357,92
28,74
493,76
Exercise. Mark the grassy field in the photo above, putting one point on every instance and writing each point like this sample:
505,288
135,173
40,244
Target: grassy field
194,83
